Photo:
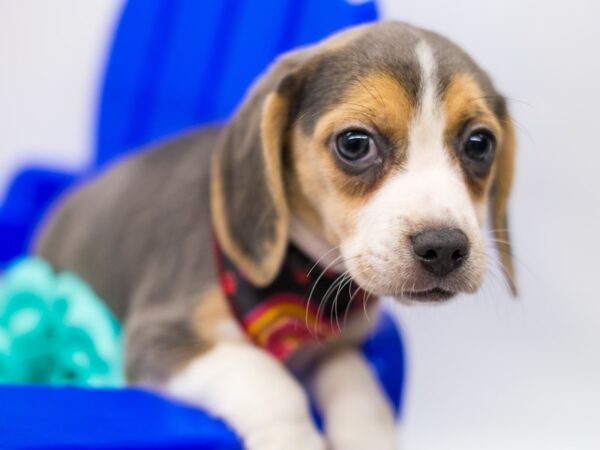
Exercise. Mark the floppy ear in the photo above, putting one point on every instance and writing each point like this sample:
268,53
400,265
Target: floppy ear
500,195
249,208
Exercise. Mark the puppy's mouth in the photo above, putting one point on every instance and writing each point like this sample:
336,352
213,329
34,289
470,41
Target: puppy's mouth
435,294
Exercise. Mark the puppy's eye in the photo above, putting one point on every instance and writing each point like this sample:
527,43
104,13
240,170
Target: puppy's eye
356,147
480,147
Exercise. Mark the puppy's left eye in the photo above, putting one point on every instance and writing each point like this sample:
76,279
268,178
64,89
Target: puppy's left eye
356,147
480,147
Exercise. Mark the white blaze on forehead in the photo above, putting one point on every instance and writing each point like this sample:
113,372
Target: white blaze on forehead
427,152
426,133
428,66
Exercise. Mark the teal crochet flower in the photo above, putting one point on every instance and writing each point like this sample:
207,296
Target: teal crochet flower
54,330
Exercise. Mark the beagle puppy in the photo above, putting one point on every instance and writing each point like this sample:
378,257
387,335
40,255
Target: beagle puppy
243,258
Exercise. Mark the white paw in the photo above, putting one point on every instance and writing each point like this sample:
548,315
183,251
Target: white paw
363,438
285,436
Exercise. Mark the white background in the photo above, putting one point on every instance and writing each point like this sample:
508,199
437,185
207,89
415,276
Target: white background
486,372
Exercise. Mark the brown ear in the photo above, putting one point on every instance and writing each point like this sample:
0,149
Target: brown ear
500,195
249,208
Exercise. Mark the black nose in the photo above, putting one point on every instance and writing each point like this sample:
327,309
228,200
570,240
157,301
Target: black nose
441,251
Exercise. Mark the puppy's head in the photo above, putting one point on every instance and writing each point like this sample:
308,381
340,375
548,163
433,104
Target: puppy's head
386,143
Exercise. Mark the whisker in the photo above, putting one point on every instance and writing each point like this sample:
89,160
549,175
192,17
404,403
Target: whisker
328,293
320,258
308,302
348,280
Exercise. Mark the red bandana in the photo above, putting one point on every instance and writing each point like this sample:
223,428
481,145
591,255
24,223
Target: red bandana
280,317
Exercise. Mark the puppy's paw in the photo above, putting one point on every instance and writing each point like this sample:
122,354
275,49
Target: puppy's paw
362,438
285,436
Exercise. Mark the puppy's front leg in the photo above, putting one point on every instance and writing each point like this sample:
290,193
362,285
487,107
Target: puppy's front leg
357,414
253,393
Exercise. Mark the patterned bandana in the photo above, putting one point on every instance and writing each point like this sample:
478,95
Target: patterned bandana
303,306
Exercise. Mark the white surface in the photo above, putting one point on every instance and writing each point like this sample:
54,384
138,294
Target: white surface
487,372
52,54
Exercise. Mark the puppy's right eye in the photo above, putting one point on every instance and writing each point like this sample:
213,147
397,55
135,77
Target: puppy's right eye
357,148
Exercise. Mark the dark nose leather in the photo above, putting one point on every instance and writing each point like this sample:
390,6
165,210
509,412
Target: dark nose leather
441,251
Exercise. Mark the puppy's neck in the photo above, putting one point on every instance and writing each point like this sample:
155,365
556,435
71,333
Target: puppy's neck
313,245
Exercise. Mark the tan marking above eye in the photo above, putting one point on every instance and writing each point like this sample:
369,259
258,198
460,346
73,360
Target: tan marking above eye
378,101
463,100
378,104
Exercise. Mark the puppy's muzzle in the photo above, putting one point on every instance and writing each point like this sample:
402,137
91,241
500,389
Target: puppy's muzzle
440,251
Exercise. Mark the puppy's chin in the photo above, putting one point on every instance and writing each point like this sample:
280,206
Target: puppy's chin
420,292
434,296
